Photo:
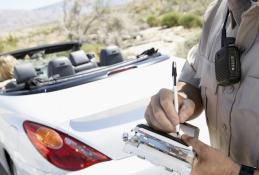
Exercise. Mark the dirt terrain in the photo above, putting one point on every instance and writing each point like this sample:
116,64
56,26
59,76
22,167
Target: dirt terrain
169,41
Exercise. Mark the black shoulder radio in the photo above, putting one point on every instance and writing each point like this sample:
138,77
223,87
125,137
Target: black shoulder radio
227,60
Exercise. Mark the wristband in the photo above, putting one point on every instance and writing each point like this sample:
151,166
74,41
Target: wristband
246,170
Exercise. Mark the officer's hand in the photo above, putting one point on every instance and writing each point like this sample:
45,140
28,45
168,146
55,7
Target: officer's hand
210,161
161,114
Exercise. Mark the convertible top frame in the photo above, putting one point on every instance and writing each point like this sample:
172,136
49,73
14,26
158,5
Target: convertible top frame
48,49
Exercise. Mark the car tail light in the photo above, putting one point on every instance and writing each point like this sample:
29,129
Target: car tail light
62,150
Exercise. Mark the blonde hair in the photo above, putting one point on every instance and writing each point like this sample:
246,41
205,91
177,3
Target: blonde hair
7,64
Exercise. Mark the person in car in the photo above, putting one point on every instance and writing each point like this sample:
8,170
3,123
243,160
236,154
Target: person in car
232,112
7,64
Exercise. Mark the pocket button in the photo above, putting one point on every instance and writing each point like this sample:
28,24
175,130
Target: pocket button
225,128
229,89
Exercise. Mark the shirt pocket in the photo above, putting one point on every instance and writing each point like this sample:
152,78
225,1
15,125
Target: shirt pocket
248,95
207,76
208,86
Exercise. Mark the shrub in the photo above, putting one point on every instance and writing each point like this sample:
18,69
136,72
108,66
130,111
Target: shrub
1,47
8,43
184,48
190,20
12,40
153,21
170,19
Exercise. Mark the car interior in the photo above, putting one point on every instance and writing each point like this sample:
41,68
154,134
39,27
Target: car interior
77,67
76,63
79,61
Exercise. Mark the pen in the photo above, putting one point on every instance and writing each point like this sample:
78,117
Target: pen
176,105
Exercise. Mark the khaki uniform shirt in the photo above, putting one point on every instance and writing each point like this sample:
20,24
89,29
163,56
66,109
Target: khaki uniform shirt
232,112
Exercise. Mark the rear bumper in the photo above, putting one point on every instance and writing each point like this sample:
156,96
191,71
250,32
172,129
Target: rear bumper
128,166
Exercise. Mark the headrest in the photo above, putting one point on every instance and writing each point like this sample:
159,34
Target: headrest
111,50
60,66
24,72
110,55
78,58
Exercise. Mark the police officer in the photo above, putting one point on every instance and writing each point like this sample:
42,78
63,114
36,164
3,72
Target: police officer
232,111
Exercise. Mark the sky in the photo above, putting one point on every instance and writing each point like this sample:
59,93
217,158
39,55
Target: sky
25,4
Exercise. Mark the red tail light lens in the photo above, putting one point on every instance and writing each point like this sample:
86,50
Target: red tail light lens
62,150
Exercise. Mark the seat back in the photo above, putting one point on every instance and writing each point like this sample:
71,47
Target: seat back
60,67
78,58
110,55
81,61
24,72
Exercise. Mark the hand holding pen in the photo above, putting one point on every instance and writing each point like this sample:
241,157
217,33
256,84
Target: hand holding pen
167,109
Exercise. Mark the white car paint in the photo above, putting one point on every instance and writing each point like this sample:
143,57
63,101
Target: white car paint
96,113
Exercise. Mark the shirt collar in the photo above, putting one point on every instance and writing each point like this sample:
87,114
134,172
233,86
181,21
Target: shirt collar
255,2
237,7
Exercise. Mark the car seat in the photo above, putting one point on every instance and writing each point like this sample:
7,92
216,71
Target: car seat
60,67
110,55
81,61
24,72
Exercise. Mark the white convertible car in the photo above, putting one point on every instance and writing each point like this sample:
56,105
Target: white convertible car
67,114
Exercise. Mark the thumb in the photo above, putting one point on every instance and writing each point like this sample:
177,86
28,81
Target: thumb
186,110
197,145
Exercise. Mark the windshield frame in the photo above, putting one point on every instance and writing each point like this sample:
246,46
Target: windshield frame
48,49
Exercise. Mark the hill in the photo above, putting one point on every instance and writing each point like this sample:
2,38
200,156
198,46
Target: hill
11,20
124,24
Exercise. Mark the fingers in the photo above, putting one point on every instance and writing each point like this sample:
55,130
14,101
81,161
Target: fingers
150,118
186,110
161,113
197,145
166,102
187,107
157,118
195,166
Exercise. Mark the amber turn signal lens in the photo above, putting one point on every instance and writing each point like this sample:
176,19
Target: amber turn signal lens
49,138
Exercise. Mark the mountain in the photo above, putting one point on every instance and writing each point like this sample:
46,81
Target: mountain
11,20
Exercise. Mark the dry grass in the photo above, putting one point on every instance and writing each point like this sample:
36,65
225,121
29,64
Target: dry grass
193,39
126,23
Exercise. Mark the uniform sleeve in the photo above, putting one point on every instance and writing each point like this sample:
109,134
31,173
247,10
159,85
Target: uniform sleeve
189,69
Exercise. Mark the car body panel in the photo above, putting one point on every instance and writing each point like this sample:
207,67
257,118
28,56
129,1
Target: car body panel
129,166
95,113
